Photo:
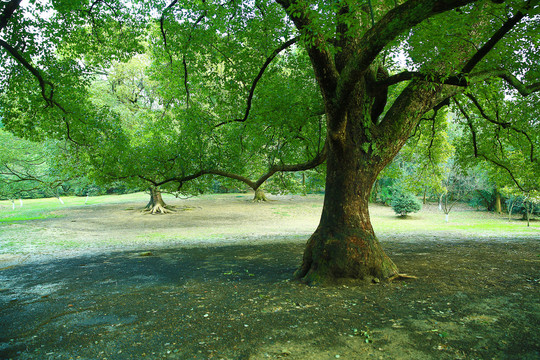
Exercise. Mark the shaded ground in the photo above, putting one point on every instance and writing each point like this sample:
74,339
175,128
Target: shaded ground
472,300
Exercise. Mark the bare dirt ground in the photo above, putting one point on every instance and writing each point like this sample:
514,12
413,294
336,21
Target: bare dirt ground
212,282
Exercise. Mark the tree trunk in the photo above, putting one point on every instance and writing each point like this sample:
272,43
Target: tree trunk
528,210
344,247
498,206
510,208
156,205
259,196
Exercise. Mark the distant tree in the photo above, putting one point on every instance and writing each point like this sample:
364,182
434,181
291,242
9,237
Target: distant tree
458,184
404,203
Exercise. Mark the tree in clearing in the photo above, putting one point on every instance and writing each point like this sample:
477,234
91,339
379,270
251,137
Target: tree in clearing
449,46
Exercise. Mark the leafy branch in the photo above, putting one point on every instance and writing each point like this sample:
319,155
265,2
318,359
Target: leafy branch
270,58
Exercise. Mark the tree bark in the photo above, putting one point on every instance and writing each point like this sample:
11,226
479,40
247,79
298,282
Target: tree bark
259,195
156,205
498,206
344,246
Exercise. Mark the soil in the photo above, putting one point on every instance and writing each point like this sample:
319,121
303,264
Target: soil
214,283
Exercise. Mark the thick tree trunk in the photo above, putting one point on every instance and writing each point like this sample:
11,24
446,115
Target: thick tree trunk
156,205
344,247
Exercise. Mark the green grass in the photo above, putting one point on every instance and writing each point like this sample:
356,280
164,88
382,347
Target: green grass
463,223
153,236
39,209
36,212
474,222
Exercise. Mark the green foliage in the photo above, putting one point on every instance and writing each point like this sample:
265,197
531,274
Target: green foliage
500,133
147,102
483,199
29,169
404,203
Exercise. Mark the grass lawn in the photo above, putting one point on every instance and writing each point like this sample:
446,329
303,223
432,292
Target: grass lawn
42,225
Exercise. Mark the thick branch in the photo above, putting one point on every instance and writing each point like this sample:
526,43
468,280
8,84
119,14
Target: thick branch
394,23
524,90
490,44
9,9
321,58
457,80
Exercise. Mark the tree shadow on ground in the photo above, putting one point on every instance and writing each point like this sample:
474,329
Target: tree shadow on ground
472,300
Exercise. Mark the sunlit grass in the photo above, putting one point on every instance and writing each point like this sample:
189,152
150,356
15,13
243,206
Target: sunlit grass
16,237
476,222
39,209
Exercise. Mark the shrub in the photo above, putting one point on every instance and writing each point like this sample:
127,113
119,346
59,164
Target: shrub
404,203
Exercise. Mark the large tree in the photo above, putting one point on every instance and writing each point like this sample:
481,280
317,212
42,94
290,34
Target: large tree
447,46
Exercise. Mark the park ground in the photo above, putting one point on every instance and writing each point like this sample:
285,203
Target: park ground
212,281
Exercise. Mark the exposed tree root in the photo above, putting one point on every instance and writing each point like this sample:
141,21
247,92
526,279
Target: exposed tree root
401,277
159,209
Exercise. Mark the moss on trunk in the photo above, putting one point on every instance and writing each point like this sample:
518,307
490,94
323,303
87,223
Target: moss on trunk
259,196
346,256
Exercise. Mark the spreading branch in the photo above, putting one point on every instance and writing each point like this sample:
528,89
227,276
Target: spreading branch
478,154
503,124
490,44
311,164
270,58
470,124
162,27
47,95
464,78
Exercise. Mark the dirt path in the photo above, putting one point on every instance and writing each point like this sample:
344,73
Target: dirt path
473,299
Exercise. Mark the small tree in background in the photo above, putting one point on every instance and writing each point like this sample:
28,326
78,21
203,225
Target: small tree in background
404,203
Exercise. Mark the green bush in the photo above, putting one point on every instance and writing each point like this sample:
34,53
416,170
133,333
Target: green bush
405,203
